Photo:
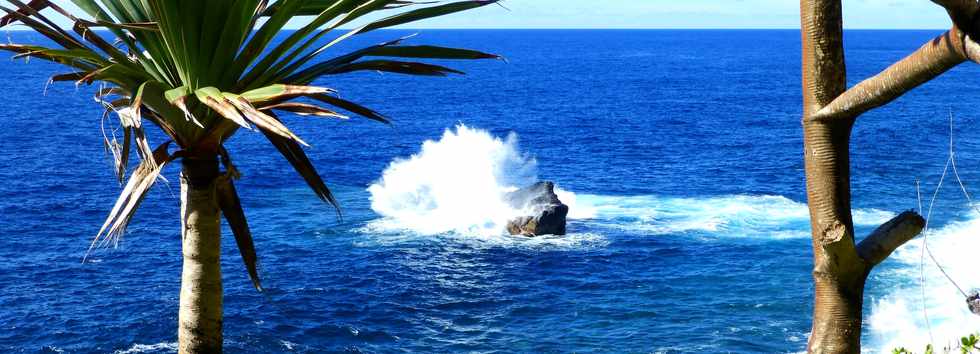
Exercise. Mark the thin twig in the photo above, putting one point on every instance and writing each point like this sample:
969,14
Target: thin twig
950,162
918,194
925,246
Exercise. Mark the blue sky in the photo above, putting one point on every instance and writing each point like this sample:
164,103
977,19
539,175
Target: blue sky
691,14
887,14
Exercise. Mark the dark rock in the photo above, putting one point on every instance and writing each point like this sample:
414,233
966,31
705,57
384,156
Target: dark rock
546,213
974,301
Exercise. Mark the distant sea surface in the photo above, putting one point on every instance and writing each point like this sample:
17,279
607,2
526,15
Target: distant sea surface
680,152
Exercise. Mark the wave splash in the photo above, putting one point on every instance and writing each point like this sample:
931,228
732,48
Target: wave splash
454,185
897,318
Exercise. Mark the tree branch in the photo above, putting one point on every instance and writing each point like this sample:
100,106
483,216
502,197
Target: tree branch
889,236
929,61
962,12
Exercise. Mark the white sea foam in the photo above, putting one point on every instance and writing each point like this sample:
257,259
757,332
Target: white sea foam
571,241
290,346
765,216
453,189
897,319
455,186
167,347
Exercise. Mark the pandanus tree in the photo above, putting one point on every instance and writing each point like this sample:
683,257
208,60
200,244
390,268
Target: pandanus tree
199,71
830,110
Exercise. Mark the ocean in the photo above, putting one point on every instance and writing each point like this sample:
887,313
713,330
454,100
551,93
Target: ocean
679,152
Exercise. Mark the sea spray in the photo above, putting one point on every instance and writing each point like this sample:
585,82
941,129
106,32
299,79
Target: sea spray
456,184
897,319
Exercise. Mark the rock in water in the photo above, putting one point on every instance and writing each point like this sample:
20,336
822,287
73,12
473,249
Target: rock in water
546,213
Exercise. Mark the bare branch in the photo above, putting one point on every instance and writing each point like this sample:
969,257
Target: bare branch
889,236
929,61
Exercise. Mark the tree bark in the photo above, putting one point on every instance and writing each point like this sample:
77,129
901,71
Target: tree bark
839,273
200,286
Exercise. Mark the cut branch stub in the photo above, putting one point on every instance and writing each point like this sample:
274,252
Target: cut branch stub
971,49
889,236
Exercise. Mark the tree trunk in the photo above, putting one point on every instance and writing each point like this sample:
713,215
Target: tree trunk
837,314
839,273
200,285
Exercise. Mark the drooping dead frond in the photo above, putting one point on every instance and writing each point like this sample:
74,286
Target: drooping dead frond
200,70
213,98
278,93
178,98
136,120
140,181
265,122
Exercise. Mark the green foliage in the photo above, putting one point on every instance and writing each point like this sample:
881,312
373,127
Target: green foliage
200,70
967,345
226,47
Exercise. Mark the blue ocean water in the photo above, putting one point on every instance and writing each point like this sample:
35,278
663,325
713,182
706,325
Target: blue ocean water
682,150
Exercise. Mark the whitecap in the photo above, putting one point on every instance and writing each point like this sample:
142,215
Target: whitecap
753,216
455,187
167,347
897,319
288,345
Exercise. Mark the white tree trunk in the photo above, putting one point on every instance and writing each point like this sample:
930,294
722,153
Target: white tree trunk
200,285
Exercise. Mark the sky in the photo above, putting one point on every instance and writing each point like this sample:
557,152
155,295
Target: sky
863,14
742,14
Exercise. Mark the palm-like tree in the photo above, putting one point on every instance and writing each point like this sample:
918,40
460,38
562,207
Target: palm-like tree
200,71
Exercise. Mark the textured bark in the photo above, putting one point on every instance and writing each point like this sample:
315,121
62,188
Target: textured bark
838,272
840,268
888,237
200,286
837,315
